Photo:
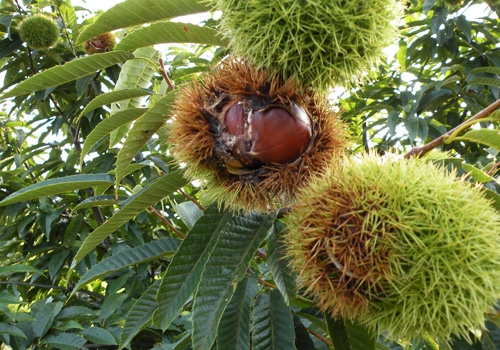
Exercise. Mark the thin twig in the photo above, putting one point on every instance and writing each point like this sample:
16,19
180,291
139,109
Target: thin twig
493,168
421,150
192,199
320,337
166,222
165,76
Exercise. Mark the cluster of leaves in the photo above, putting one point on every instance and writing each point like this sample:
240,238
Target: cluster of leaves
103,244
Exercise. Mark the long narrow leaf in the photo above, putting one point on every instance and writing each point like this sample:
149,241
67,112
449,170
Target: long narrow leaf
273,323
234,327
149,195
185,269
133,12
70,71
108,125
56,186
170,32
227,264
348,335
141,132
66,341
140,314
488,137
146,252
134,74
114,96
282,274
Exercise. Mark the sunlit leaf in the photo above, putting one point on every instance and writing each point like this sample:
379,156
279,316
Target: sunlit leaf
133,12
70,71
170,32
143,129
114,96
107,126
56,186
488,137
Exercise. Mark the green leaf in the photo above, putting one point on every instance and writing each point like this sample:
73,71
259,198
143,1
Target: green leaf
11,330
484,81
64,341
99,336
140,314
170,32
487,137
10,269
108,125
70,71
273,323
141,132
111,304
490,70
227,264
136,74
464,25
133,12
346,335
234,326
149,195
45,317
493,196
477,174
56,186
189,213
186,267
146,252
97,201
115,96
428,5
282,274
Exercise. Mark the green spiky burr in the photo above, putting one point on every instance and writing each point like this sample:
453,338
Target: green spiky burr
398,245
321,43
39,31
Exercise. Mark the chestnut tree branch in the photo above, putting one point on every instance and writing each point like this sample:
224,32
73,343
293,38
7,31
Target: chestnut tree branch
422,150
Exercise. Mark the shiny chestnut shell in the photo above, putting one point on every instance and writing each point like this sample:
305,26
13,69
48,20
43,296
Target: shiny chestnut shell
279,136
276,134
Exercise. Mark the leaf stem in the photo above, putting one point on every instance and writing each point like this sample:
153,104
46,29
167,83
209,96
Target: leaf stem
166,222
422,150
192,199
165,76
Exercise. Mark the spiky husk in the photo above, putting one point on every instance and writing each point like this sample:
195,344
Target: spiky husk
101,43
321,43
270,185
39,31
398,245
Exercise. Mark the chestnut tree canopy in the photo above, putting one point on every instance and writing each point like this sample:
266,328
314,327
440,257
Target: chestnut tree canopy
104,243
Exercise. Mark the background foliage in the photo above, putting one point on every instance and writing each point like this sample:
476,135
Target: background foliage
103,244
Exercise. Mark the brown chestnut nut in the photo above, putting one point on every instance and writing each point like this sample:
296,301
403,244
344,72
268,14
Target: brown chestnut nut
279,136
276,134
